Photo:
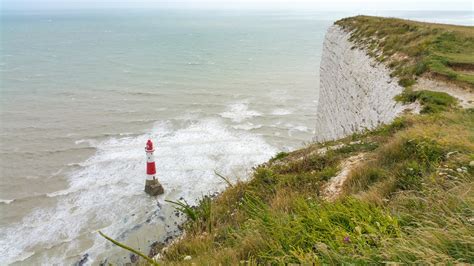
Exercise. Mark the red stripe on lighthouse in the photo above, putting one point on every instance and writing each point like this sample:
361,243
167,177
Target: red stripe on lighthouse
150,168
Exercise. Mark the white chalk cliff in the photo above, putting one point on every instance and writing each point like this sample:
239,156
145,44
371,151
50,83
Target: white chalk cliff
356,92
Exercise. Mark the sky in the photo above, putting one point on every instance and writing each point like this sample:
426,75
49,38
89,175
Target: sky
335,5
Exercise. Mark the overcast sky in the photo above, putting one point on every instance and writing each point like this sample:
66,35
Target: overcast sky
336,5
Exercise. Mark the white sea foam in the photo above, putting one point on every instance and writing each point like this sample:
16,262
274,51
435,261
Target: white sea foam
58,193
247,126
239,112
90,142
301,128
296,128
281,112
109,185
6,201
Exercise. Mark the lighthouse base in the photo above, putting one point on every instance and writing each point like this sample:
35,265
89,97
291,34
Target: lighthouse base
153,187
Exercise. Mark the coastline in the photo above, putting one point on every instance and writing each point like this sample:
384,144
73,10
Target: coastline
234,128
335,167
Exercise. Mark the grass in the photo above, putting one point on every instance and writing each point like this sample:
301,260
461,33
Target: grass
409,203
413,48
432,102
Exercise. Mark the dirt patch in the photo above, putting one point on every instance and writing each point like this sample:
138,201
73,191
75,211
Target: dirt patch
465,96
414,107
462,67
398,56
467,69
334,187
465,72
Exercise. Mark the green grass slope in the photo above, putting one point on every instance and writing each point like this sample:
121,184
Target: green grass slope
411,201
413,48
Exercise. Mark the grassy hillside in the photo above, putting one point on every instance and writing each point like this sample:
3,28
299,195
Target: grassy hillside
409,196
414,48
411,200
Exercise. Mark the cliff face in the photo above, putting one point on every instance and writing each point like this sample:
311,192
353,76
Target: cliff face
356,92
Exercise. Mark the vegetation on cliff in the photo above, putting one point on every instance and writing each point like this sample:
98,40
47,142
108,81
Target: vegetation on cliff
410,200
413,48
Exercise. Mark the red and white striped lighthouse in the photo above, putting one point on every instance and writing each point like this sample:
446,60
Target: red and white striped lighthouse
152,186
150,161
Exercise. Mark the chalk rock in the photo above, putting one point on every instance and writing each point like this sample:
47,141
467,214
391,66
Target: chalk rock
356,92
153,188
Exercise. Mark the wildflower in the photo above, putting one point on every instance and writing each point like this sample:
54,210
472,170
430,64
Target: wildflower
347,240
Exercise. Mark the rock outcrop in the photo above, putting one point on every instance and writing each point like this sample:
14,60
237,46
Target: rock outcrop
356,92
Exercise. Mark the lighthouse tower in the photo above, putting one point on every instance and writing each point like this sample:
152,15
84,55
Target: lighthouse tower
152,186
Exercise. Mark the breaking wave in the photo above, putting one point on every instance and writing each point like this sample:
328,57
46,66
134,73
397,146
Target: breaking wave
110,184
239,112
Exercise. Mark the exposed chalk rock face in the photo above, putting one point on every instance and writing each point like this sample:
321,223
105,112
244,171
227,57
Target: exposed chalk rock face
356,92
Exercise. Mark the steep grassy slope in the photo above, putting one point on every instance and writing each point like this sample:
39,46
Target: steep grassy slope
414,48
411,200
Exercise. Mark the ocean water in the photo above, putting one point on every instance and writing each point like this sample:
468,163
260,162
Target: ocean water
81,92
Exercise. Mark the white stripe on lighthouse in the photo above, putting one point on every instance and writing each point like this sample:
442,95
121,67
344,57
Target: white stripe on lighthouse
149,157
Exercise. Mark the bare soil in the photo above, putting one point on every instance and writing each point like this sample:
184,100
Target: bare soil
465,96
334,187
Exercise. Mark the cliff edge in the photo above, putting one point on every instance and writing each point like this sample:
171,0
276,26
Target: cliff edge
356,92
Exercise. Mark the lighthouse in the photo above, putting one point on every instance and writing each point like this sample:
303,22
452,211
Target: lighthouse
152,186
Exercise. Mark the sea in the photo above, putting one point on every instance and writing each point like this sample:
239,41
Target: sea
81,91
